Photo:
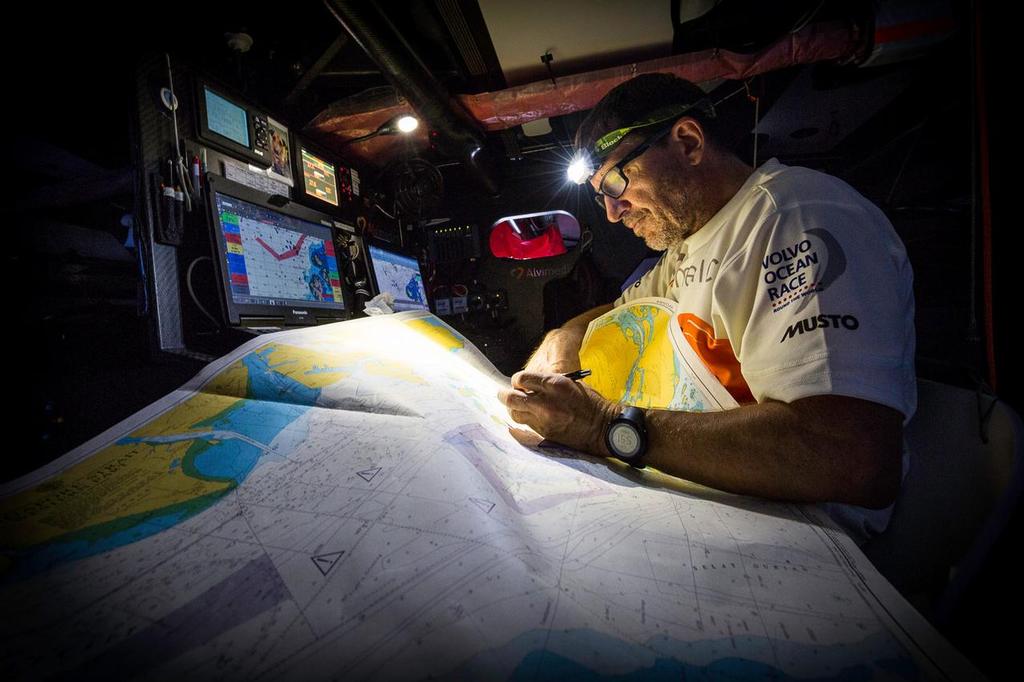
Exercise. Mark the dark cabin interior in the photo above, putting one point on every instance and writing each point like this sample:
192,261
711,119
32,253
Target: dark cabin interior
915,131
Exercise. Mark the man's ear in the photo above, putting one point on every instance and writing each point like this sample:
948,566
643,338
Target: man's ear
688,135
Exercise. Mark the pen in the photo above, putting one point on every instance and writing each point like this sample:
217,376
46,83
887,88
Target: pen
575,376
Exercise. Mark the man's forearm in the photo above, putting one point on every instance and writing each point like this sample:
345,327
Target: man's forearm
559,351
825,448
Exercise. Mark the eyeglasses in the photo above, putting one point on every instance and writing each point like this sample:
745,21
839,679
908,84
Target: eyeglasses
614,182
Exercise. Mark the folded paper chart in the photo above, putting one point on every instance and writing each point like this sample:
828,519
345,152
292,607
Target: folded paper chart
346,502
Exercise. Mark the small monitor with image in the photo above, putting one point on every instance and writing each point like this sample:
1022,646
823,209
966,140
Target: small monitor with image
319,177
398,274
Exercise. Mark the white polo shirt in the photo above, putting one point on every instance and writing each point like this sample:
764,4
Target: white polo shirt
798,286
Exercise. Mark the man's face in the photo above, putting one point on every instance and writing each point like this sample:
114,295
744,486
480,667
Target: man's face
665,201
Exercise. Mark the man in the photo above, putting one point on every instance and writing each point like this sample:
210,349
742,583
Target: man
792,288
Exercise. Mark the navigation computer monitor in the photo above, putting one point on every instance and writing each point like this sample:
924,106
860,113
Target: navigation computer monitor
277,264
398,274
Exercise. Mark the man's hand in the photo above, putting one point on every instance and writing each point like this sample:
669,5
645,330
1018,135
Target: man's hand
560,409
825,448
559,352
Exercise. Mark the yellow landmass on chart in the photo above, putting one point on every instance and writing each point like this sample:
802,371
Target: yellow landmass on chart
429,329
151,470
320,366
313,369
121,481
631,356
189,456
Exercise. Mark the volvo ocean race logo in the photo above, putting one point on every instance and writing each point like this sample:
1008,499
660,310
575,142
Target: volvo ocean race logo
795,272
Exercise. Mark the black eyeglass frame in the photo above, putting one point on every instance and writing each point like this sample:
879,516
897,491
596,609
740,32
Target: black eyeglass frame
619,168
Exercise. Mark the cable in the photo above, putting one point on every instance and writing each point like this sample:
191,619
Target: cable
806,19
179,165
585,241
378,207
906,161
757,114
353,249
732,94
140,206
192,293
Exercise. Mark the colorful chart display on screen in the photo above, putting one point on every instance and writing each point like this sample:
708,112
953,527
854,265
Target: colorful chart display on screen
276,259
319,178
400,276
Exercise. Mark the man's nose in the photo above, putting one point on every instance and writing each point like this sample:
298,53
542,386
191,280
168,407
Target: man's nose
615,208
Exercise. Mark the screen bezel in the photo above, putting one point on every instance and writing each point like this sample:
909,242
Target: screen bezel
294,313
214,138
391,248
300,178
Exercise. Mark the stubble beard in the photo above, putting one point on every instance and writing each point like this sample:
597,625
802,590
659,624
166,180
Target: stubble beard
682,210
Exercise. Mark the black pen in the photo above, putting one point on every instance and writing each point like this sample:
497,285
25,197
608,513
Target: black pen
577,375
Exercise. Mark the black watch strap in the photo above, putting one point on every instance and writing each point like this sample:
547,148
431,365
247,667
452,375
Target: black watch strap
626,437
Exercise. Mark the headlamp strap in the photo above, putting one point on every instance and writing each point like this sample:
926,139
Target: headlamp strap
607,142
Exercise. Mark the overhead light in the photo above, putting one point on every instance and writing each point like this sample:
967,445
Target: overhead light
403,123
407,124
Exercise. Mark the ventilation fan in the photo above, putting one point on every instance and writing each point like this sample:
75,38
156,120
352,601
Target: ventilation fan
415,186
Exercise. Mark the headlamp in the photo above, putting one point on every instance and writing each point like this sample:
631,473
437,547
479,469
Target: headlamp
581,168
586,161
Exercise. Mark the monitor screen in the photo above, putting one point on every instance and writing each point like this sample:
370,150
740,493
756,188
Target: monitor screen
319,178
226,118
274,259
400,276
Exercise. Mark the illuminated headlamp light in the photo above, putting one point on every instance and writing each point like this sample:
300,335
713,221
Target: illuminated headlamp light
587,161
581,168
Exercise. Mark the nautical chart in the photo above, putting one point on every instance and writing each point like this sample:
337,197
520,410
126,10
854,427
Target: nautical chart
638,356
346,502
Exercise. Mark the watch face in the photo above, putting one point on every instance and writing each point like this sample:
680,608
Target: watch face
624,440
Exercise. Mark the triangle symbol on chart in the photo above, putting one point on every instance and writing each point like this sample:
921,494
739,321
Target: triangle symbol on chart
369,474
325,562
485,505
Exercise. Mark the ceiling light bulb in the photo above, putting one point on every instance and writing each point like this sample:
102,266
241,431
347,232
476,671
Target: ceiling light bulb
407,124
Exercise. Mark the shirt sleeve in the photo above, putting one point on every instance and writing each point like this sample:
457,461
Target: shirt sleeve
821,303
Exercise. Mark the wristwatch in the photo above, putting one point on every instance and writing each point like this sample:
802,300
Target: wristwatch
626,437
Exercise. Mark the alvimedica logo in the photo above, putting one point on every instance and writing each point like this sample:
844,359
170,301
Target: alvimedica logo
822,321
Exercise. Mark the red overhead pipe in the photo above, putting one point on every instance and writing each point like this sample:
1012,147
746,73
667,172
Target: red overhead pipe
516,106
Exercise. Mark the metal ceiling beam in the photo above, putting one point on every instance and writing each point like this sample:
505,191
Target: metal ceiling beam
315,70
453,130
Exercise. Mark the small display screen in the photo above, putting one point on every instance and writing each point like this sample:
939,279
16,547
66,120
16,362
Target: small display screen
400,276
319,178
226,118
276,259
